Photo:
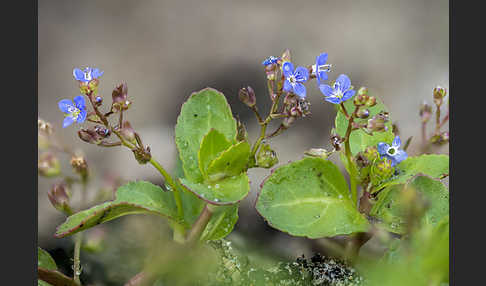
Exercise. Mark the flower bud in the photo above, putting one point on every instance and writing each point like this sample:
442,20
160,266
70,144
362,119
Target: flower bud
241,134
383,169
90,136
247,96
361,160
102,131
363,113
288,121
377,122
120,99
425,112
93,84
59,197
48,165
360,99
363,90
285,57
371,101
98,101
371,154
290,99
142,155
271,71
266,157
439,94
128,133
336,142
79,165
84,88
318,152
44,127
440,139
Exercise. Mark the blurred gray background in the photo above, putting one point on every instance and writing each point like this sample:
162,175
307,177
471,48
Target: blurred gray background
164,50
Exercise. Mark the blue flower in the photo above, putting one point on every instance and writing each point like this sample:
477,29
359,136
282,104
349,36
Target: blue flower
270,60
320,69
87,74
294,79
391,152
74,111
340,92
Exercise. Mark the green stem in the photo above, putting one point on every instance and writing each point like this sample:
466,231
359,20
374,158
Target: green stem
200,224
353,173
172,184
79,236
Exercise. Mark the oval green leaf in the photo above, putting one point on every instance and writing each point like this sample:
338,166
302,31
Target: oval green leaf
211,147
133,198
309,198
203,111
45,260
222,222
360,140
231,162
433,165
390,212
225,192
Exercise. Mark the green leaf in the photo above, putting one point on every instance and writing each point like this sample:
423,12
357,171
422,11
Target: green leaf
227,191
359,139
432,165
390,210
45,260
211,147
133,198
232,162
309,198
222,222
203,111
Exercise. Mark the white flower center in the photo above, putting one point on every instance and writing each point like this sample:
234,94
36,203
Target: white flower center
87,74
392,151
292,80
73,112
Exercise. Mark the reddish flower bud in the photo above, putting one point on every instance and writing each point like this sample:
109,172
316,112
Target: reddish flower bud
247,96
371,101
142,155
120,98
363,113
79,165
439,94
48,165
425,112
128,133
377,122
59,197
90,136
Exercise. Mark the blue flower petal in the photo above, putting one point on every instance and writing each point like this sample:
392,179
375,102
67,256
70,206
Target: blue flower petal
288,69
301,74
321,59
344,82
396,142
82,116
322,75
78,74
383,148
333,99
299,89
348,94
96,73
326,89
287,87
65,104
67,121
80,103
393,161
400,156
